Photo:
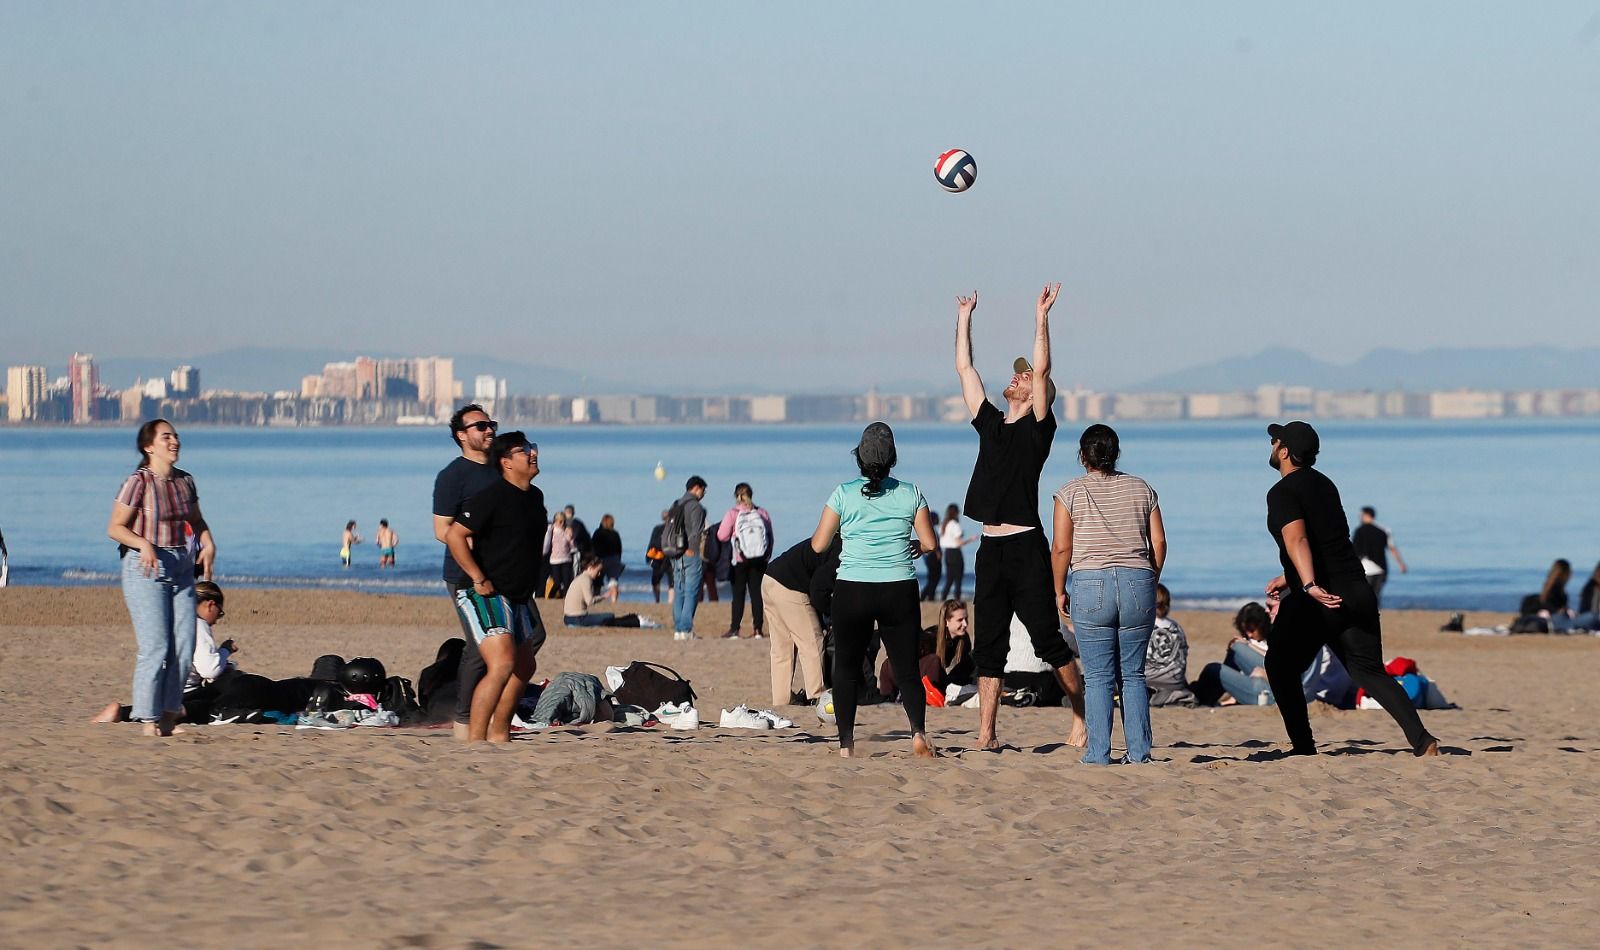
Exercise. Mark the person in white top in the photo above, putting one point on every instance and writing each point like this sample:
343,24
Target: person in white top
951,540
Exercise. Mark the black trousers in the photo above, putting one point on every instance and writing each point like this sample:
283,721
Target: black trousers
1354,634
895,610
930,589
955,571
747,575
1012,576
472,666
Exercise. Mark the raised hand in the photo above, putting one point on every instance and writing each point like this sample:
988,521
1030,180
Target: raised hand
965,305
1047,299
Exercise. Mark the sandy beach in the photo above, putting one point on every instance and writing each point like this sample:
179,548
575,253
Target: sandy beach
254,836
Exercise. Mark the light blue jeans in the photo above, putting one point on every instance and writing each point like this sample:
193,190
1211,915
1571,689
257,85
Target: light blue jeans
687,572
1243,687
162,610
1114,610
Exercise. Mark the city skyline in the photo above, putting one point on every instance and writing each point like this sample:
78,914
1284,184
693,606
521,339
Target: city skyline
559,182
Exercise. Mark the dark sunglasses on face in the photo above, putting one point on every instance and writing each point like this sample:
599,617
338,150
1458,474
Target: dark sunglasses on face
482,426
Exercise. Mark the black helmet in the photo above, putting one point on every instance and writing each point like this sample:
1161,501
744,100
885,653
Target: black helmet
329,667
363,675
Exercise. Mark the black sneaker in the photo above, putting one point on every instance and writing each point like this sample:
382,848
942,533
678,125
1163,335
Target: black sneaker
731,635
798,698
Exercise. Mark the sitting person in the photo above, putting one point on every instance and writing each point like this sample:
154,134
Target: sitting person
211,665
1029,680
1241,677
581,596
1588,617
953,644
1166,663
928,666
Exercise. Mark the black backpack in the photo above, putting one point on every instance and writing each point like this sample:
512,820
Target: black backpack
675,533
647,686
399,698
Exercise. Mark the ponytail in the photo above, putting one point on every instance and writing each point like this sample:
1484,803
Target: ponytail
874,474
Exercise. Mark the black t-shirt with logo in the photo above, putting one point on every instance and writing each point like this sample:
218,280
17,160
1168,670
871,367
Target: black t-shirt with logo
457,482
508,526
1310,496
1005,479
1372,543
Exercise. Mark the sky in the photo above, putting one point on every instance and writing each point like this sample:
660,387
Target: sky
743,192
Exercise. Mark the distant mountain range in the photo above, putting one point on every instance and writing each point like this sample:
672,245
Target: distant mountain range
1531,367
266,369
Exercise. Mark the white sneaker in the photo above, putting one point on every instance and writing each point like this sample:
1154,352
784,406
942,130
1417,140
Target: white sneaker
740,717
648,624
774,720
678,715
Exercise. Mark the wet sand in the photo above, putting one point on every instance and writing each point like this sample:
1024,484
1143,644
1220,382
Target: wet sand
253,836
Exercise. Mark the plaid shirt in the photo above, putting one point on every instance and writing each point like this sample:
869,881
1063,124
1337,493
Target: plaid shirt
163,505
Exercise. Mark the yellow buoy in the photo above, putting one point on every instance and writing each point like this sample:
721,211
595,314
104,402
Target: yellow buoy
661,472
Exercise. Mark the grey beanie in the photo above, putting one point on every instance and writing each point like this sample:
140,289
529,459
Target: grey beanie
877,445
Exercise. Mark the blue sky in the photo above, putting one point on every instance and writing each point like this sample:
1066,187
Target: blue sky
743,191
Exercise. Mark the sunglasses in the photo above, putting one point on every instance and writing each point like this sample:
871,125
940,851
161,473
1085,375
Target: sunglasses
482,426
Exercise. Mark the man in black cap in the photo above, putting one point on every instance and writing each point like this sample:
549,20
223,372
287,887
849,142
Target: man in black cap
1325,598
1012,573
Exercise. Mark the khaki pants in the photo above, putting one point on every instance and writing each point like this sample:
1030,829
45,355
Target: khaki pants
792,627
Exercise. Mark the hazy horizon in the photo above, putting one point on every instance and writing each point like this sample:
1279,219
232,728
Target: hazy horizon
719,190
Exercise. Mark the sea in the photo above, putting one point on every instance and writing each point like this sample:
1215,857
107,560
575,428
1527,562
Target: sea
1478,509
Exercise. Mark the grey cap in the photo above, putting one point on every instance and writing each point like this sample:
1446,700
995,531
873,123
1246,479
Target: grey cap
877,445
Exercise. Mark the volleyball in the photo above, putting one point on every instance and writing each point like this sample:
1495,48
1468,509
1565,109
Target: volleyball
825,707
955,171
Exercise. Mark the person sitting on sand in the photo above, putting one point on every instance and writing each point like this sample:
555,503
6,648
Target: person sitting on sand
952,642
1588,617
927,664
581,596
1166,661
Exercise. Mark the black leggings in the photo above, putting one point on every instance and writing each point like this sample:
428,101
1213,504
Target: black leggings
894,608
955,567
1353,633
747,575
930,588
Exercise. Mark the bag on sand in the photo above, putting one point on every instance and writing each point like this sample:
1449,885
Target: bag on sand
675,533
649,685
399,698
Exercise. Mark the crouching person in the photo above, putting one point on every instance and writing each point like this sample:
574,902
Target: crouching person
498,539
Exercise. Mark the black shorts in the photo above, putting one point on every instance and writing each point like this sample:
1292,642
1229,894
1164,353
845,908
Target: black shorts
1011,575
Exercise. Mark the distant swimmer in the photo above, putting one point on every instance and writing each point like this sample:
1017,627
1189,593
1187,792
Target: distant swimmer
386,540
351,539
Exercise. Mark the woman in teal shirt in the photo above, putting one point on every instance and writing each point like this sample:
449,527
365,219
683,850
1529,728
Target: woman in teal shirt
885,527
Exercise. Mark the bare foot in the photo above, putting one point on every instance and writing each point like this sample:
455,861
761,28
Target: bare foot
922,749
1431,749
1078,735
459,730
152,729
112,713
989,745
846,752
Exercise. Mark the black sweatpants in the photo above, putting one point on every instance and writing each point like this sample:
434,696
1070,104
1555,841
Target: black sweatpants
747,575
472,666
894,608
1012,576
1353,632
955,572
933,564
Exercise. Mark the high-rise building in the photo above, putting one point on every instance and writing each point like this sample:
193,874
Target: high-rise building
369,384
25,390
185,383
84,378
436,383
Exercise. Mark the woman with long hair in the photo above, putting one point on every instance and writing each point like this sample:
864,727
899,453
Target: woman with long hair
607,546
1553,595
951,540
953,643
155,510
562,547
884,525
1109,536
748,528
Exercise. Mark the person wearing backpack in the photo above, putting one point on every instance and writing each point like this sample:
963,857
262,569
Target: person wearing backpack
749,529
680,543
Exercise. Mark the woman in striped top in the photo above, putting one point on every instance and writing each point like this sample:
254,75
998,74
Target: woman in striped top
1109,535
151,520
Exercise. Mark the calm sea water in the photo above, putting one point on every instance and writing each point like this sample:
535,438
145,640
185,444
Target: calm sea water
1478,509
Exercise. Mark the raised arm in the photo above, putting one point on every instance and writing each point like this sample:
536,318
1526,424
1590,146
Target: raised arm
1044,391
971,382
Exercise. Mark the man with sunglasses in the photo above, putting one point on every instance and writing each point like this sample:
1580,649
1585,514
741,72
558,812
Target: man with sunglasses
465,476
498,541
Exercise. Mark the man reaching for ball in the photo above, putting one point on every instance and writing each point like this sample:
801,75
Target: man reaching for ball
1012,573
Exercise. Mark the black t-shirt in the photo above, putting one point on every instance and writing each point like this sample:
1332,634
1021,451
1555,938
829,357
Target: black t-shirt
508,526
804,571
1310,496
1005,480
457,482
1372,543
607,543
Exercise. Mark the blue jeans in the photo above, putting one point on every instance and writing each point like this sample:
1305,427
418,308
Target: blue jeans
687,572
1114,610
1239,683
162,610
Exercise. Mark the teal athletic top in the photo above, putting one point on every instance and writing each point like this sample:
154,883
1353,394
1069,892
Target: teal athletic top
877,531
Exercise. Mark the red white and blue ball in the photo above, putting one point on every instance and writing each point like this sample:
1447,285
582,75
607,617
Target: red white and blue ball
955,171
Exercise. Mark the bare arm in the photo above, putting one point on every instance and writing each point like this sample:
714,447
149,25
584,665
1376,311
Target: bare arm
1044,392
1299,547
1061,553
441,527
971,382
1397,558
827,527
120,530
457,540
1158,540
